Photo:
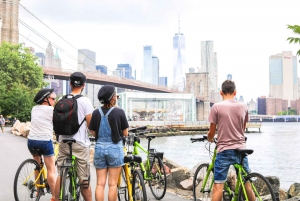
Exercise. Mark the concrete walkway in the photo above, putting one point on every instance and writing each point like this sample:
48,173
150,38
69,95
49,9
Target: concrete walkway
14,151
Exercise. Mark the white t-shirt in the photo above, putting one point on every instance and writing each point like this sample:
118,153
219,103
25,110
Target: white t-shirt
85,107
41,123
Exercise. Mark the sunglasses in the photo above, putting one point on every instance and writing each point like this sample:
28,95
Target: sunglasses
52,99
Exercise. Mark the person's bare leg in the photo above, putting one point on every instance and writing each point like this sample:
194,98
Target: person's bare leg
249,191
57,188
113,176
217,192
101,181
50,164
87,193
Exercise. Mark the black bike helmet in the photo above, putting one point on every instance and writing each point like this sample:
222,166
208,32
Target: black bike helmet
41,95
77,79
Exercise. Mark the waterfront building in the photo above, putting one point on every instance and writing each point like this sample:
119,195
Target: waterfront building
158,106
241,99
40,58
155,69
283,81
179,60
102,69
261,105
252,107
119,72
163,81
127,70
273,106
229,77
86,60
209,63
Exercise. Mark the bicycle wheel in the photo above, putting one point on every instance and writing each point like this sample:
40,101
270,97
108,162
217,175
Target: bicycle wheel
158,184
65,185
261,188
122,188
202,190
79,196
138,187
24,188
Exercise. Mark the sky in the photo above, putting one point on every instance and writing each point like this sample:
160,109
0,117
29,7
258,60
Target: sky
245,33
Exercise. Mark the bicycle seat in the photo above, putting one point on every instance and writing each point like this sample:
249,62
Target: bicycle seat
150,137
66,141
245,151
132,158
35,152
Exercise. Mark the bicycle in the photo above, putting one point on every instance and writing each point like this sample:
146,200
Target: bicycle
203,180
131,186
30,181
70,186
154,170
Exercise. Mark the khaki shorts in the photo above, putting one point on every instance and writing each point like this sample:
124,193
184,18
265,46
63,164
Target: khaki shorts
2,126
82,158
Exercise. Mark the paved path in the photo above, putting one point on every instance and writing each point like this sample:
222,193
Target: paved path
14,150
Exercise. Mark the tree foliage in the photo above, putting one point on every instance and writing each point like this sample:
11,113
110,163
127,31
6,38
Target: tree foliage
296,30
290,111
21,78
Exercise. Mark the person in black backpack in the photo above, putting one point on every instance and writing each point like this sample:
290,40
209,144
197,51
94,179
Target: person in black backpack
80,149
108,125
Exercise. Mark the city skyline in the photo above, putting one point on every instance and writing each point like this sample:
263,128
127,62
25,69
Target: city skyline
245,34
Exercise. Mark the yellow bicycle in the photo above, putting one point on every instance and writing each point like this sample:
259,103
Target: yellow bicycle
30,182
131,186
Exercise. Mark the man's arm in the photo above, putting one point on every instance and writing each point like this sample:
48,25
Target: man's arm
88,119
211,133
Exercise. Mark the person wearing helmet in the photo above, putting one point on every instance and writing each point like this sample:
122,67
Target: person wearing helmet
41,132
80,149
108,124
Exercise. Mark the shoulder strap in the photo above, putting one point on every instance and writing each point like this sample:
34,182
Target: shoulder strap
101,112
109,111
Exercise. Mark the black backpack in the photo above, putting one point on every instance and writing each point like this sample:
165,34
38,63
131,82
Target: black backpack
65,116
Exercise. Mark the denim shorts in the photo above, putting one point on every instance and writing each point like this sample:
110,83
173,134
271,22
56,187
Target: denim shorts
224,160
45,146
108,154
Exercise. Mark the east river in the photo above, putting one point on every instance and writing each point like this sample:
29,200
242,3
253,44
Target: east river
276,151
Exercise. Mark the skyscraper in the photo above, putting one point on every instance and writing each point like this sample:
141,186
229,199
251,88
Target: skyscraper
86,60
179,60
102,69
229,77
163,81
283,73
41,58
209,63
128,70
155,70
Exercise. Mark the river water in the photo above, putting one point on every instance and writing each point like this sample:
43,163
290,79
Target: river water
276,151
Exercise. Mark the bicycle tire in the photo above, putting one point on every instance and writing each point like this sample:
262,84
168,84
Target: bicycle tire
79,196
26,191
262,186
123,189
138,187
65,185
200,174
158,184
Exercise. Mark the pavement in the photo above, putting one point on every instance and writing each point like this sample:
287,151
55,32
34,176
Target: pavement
14,151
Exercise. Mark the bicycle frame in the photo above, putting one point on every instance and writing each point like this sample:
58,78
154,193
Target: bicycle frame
241,173
43,172
128,176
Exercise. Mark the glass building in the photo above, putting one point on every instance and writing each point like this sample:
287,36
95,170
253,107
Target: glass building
179,61
158,106
102,69
155,70
86,59
147,70
128,70
163,81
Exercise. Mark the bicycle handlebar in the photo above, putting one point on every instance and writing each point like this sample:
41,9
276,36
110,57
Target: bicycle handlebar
138,128
202,139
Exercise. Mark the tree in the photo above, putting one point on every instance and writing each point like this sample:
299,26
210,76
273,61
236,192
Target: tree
296,30
21,78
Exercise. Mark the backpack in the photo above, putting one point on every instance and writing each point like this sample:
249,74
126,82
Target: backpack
65,115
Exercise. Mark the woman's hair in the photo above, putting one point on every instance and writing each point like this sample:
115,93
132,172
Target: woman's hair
110,104
228,87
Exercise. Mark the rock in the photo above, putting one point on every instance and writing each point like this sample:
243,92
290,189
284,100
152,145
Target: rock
294,190
297,198
177,175
231,178
275,183
282,194
170,164
187,184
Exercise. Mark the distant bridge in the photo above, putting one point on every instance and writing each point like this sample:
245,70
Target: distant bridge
102,79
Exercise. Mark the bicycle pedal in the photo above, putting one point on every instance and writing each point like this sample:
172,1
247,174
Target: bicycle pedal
226,196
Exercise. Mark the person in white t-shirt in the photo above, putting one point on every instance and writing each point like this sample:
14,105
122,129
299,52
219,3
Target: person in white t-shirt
80,149
41,132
